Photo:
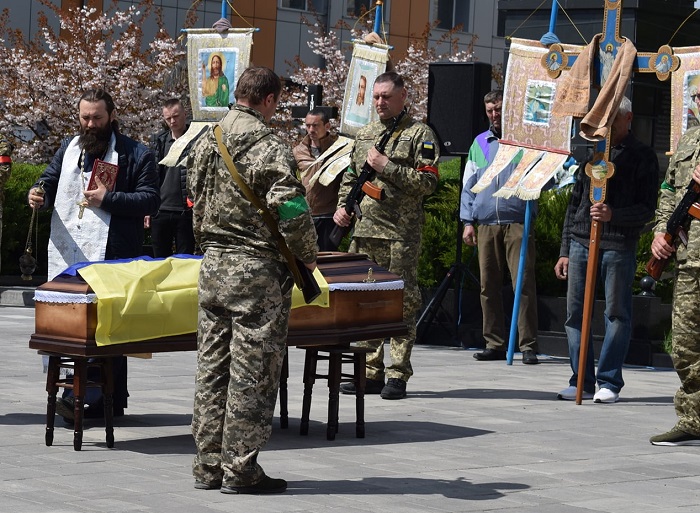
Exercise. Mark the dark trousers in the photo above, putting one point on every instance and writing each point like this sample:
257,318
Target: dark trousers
324,226
93,395
171,226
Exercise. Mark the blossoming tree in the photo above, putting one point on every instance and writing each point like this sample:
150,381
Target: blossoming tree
44,77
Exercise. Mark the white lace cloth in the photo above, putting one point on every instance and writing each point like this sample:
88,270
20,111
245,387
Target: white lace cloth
360,286
49,296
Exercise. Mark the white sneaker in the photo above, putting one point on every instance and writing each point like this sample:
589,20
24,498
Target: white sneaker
605,395
569,394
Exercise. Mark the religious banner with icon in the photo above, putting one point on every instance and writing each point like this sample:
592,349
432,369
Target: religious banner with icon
528,123
214,62
685,93
368,62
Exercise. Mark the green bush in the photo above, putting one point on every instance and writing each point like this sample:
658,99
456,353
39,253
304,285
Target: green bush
439,247
547,231
16,218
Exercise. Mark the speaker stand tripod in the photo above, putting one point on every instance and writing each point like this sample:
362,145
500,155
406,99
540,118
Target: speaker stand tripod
454,276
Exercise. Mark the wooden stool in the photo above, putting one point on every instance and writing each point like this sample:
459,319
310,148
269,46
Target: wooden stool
79,385
336,357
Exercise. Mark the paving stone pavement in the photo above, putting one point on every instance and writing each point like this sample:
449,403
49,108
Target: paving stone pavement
470,436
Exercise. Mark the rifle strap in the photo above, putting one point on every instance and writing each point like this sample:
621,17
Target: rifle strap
262,209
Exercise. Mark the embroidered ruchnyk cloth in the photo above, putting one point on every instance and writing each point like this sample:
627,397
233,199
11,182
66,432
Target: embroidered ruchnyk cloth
72,239
574,92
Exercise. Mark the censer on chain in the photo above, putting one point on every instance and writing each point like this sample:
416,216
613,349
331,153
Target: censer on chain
27,263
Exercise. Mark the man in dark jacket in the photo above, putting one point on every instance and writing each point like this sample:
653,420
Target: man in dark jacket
97,224
171,227
629,205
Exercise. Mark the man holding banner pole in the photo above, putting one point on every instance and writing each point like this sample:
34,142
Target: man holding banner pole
630,204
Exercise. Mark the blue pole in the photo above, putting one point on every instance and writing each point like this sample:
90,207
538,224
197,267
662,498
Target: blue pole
550,37
224,9
553,16
378,18
519,283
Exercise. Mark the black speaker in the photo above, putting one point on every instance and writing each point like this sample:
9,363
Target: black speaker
456,112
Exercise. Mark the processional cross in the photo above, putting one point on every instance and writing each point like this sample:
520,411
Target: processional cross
600,169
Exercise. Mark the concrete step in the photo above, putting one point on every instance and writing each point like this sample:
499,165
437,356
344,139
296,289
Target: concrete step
17,296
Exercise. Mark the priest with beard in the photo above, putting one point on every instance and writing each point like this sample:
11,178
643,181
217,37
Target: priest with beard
98,224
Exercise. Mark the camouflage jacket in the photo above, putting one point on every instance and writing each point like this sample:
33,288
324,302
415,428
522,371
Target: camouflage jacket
223,218
400,216
678,176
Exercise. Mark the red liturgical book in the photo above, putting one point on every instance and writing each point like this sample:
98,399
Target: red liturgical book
106,172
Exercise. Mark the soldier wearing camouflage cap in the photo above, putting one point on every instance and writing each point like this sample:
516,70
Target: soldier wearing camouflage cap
390,230
244,286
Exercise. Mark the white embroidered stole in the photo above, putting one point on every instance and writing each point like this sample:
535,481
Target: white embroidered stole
74,240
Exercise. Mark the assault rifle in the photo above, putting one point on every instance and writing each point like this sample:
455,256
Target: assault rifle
364,186
677,227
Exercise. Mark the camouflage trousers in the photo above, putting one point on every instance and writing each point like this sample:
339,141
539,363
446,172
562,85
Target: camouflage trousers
686,349
243,316
402,260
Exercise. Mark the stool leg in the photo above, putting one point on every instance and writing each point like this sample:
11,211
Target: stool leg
53,374
79,386
335,362
108,399
360,372
310,363
284,396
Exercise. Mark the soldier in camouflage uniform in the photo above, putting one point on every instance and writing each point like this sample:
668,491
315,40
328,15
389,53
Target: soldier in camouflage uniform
5,170
390,230
683,167
244,287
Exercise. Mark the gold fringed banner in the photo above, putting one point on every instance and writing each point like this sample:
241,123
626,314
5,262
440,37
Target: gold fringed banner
685,85
529,123
368,62
528,96
504,156
529,159
214,62
541,173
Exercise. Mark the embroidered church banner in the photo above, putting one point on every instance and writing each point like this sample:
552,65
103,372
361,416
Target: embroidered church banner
214,62
685,93
529,123
368,62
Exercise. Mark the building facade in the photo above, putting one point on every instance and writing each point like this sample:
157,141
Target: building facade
283,33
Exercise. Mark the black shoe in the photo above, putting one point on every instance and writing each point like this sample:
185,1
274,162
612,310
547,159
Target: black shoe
490,355
66,409
203,485
395,389
372,386
530,358
267,485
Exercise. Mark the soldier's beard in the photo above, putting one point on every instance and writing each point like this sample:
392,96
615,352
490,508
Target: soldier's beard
95,141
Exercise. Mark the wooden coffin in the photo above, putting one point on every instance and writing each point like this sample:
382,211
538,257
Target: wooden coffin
69,328
350,308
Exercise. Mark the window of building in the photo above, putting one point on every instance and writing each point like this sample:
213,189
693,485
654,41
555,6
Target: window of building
294,4
451,13
356,8
304,5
